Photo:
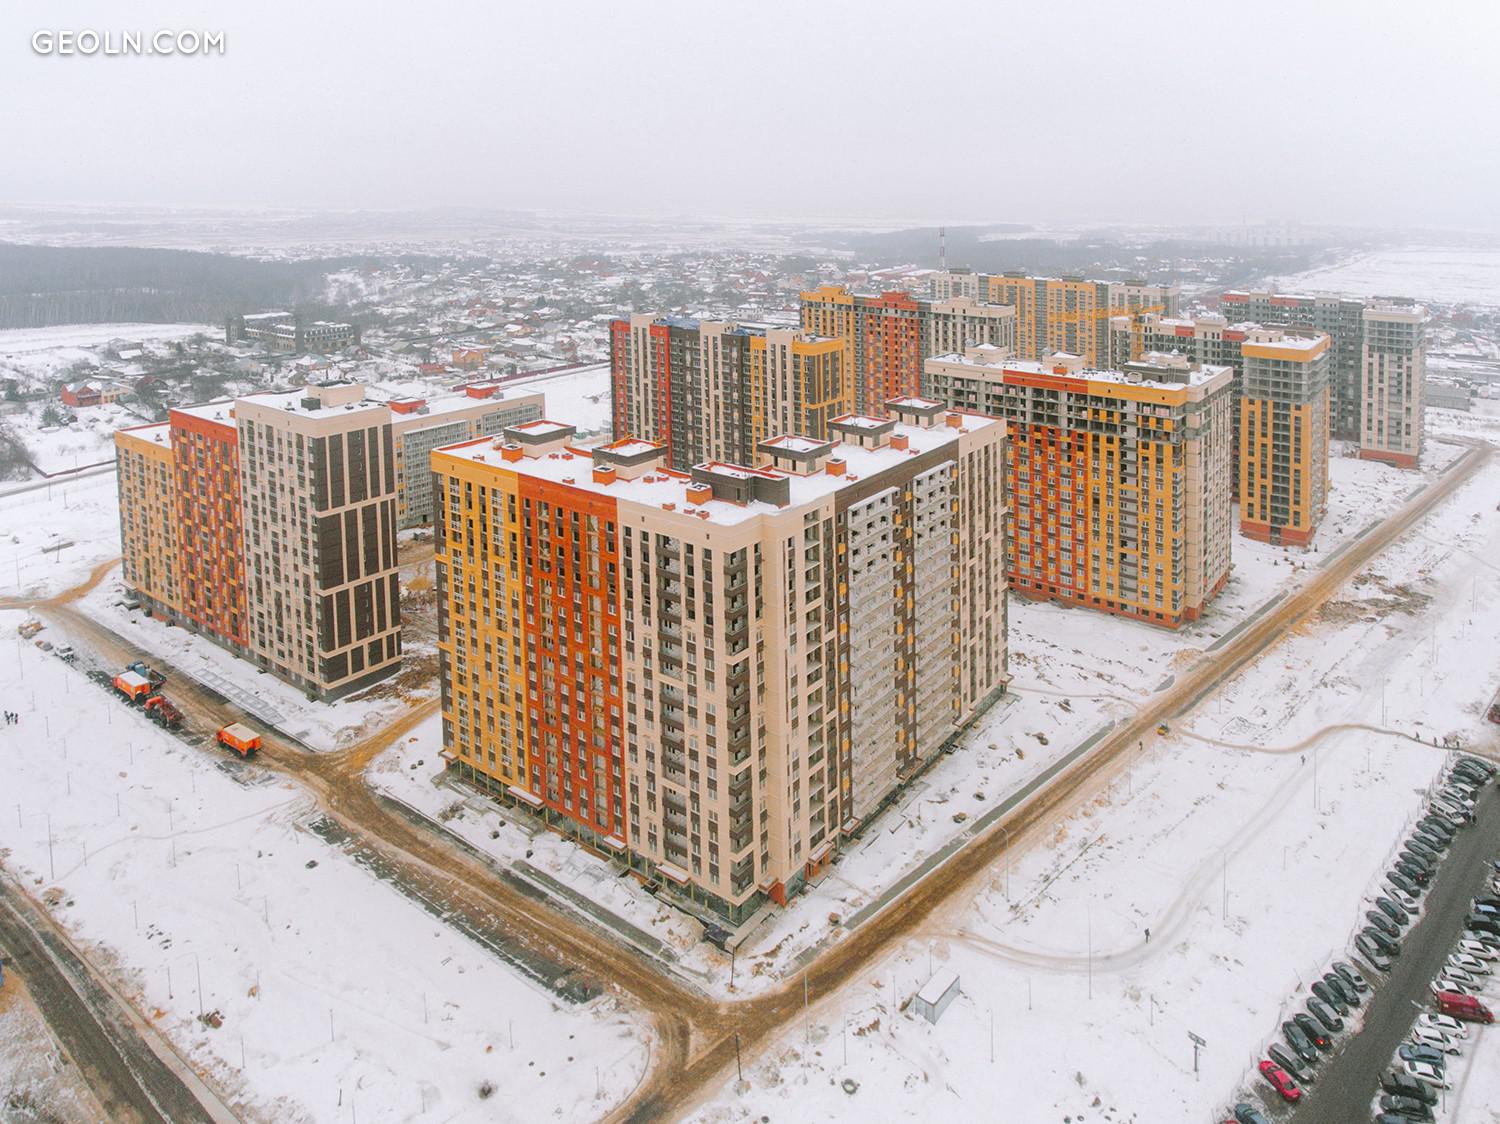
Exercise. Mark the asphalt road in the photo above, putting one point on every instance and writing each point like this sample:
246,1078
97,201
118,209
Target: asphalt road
131,1083
1347,1082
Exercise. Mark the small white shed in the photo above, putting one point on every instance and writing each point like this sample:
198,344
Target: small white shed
936,994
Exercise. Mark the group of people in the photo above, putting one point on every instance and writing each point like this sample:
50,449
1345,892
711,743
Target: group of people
12,718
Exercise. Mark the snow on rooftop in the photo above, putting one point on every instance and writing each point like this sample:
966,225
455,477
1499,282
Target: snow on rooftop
794,443
574,466
541,427
860,421
937,986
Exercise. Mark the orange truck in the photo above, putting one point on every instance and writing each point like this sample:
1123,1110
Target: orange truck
133,686
240,738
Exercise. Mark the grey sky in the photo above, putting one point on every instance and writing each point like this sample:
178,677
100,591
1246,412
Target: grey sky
1315,110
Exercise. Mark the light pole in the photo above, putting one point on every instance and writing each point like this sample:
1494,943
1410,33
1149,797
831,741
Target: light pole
51,869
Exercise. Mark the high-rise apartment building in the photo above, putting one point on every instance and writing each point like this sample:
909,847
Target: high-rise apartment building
1340,318
1394,377
713,390
273,533
1280,415
1282,435
318,511
1120,480
1071,315
888,336
420,425
716,675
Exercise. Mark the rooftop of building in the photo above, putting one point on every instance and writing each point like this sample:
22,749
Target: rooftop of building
1063,365
793,443
323,401
159,433
668,490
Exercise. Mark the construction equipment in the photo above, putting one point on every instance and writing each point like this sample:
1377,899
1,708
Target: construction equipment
161,711
240,738
133,687
155,677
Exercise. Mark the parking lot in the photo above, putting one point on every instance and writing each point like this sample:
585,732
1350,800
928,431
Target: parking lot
1346,1078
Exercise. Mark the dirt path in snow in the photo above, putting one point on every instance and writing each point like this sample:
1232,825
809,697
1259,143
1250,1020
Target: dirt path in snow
696,1036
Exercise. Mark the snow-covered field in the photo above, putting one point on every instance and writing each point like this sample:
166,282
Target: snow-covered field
90,440
340,999
1430,273
578,398
1245,841
17,342
52,535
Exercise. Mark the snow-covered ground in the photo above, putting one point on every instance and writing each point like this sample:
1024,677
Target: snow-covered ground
1447,275
52,535
340,999
1245,841
578,398
70,340
89,440
37,1080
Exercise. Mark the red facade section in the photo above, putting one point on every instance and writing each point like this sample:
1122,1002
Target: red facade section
892,349
572,628
210,544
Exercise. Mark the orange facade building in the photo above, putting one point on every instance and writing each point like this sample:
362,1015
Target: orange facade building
211,559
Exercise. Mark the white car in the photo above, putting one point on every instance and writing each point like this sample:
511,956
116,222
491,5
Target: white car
1446,982
1428,1036
1471,964
1426,1072
1400,897
1445,1024
1458,975
1477,949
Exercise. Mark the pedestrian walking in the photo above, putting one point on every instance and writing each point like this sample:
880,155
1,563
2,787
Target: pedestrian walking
1148,936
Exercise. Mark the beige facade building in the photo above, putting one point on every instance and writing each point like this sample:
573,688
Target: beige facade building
148,523
318,503
1393,363
1120,480
718,674
420,425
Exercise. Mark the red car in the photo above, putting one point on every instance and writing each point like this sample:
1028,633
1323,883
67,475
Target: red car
1280,1081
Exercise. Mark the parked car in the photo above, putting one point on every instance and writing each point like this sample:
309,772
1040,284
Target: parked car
1418,874
1325,1016
1488,900
1420,847
1249,1114
1392,910
1409,902
1351,975
1406,885
1416,1052
1405,1085
1480,923
1281,1081
1406,1109
1438,826
1383,923
1477,949
1428,1073
1431,1036
1471,964
1444,982
1484,908
1343,989
1329,996
1316,1034
1464,1007
1381,941
1288,1060
1372,954
1443,805
1411,858
1445,1024
1300,1043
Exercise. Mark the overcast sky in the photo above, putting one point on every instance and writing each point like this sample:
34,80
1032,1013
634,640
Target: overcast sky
1047,111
